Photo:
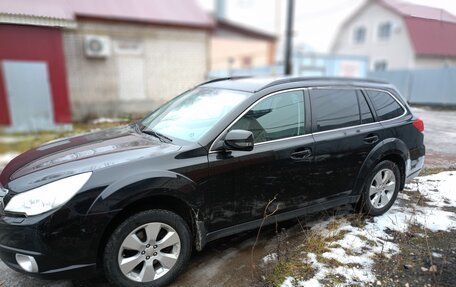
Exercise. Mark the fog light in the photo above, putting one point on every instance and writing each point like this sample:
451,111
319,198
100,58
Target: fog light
28,263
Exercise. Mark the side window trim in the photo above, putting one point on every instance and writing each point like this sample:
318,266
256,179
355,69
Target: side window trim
310,124
370,104
308,112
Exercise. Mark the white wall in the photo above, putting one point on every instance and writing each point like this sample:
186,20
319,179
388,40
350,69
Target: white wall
397,51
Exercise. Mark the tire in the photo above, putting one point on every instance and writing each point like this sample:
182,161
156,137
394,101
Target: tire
377,195
140,244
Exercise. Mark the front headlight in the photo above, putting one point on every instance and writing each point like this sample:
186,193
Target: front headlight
47,197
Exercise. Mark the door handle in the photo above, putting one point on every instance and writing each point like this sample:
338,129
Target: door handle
371,138
301,154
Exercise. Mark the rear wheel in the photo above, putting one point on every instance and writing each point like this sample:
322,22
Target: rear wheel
150,248
380,188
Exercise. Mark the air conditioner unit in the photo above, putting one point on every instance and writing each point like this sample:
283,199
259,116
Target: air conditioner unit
97,46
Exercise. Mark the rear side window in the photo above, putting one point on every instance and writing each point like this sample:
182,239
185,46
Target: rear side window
333,109
386,106
366,114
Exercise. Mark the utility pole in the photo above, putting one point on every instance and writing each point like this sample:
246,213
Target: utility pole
288,38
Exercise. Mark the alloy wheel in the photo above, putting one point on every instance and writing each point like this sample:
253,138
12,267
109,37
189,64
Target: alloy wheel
149,252
382,188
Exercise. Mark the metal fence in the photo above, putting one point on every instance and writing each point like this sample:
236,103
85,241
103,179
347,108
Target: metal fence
307,65
427,87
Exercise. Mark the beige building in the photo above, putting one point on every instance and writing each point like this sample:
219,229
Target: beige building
146,65
235,46
399,35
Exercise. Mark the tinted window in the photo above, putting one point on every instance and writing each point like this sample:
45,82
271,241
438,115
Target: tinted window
275,117
385,106
366,114
334,109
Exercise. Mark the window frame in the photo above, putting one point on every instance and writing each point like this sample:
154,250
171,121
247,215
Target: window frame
356,90
374,111
307,118
362,94
363,90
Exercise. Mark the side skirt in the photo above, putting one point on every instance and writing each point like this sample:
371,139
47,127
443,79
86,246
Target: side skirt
281,217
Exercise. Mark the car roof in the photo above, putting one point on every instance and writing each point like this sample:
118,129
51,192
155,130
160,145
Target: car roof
256,84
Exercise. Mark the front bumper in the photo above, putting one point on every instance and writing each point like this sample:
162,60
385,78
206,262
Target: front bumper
62,247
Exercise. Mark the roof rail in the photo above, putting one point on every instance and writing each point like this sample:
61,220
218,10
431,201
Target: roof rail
224,79
299,79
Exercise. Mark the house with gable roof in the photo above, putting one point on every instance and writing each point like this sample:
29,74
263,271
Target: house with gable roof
399,35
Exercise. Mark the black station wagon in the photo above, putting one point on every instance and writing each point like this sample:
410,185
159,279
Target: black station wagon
134,201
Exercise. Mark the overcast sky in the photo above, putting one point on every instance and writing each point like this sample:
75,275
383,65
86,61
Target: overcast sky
316,22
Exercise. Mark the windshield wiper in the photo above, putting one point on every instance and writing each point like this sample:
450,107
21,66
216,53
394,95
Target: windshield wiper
160,136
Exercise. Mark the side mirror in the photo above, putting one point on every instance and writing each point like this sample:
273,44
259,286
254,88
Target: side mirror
239,140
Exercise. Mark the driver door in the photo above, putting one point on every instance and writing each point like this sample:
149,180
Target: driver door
277,169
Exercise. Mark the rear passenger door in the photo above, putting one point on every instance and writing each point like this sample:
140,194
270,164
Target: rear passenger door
345,132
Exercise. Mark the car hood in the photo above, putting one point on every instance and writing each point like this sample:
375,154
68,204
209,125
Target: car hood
78,148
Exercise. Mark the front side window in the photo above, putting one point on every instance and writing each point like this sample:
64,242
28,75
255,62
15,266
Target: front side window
191,115
333,109
360,35
384,31
276,117
386,107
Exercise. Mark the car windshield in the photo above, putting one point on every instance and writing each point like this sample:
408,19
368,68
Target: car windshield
192,114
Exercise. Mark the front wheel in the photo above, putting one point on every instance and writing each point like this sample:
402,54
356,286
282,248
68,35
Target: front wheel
150,248
380,189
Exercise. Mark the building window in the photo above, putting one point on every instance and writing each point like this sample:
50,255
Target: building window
384,31
360,35
380,66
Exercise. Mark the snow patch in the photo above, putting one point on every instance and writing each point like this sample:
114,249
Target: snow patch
270,257
355,252
108,121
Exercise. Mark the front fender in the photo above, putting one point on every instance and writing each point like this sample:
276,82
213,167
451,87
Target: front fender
385,148
133,188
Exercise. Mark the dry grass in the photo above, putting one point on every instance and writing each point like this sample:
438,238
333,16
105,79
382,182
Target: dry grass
330,262
297,269
28,141
333,279
435,170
